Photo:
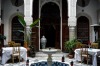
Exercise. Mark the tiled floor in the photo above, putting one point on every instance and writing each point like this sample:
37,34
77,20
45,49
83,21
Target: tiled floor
40,56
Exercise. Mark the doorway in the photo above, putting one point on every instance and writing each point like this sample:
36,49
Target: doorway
50,24
83,29
17,36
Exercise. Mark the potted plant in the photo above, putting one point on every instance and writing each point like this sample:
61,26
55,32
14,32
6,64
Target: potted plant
27,32
2,37
70,46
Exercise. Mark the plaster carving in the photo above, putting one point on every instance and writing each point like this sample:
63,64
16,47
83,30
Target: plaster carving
72,21
72,12
73,3
42,2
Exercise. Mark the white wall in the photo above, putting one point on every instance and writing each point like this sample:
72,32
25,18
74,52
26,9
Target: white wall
8,13
90,12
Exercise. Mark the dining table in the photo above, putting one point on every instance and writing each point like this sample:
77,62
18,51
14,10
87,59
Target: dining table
7,51
91,51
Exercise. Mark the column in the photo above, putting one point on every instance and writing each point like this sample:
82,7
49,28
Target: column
72,32
28,11
28,18
72,18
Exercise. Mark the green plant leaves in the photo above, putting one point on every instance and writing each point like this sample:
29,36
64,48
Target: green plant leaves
27,32
2,37
21,31
35,22
21,20
70,45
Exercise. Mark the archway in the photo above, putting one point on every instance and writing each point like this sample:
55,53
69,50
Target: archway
50,24
83,29
17,36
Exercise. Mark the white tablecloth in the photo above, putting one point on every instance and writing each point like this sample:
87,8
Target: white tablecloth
91,51
7,51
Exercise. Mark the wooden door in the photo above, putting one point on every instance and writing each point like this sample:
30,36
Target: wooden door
2,33
35,38
83,29
65,28
2,41
17,36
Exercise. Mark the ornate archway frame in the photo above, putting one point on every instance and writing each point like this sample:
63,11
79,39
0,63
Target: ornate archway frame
90,23
59,4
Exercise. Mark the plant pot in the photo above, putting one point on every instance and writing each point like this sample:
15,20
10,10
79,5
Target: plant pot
27,47
25,44
70,56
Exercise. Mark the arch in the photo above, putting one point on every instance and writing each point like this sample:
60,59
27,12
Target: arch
83,29
50,24
48,8
63,23
90,23
50,1
10,24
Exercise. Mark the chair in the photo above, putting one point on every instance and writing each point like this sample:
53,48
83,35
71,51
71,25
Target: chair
10,43
84,54
94,45
98,58
16,52
78,45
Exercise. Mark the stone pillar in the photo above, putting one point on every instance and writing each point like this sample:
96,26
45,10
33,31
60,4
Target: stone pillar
28,11
28,17
72,18
72,32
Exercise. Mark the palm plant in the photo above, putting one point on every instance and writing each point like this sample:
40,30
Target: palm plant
27,35
27,32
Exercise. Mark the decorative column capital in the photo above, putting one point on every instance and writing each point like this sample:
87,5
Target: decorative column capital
72,27
72,21
28,20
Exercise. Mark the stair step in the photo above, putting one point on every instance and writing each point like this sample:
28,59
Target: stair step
39,54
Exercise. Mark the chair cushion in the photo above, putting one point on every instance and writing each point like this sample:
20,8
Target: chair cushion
16,54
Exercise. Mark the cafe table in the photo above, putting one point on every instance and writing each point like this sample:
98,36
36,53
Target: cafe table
91,51
7,51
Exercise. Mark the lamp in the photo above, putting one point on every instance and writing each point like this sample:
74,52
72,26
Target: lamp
96,26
